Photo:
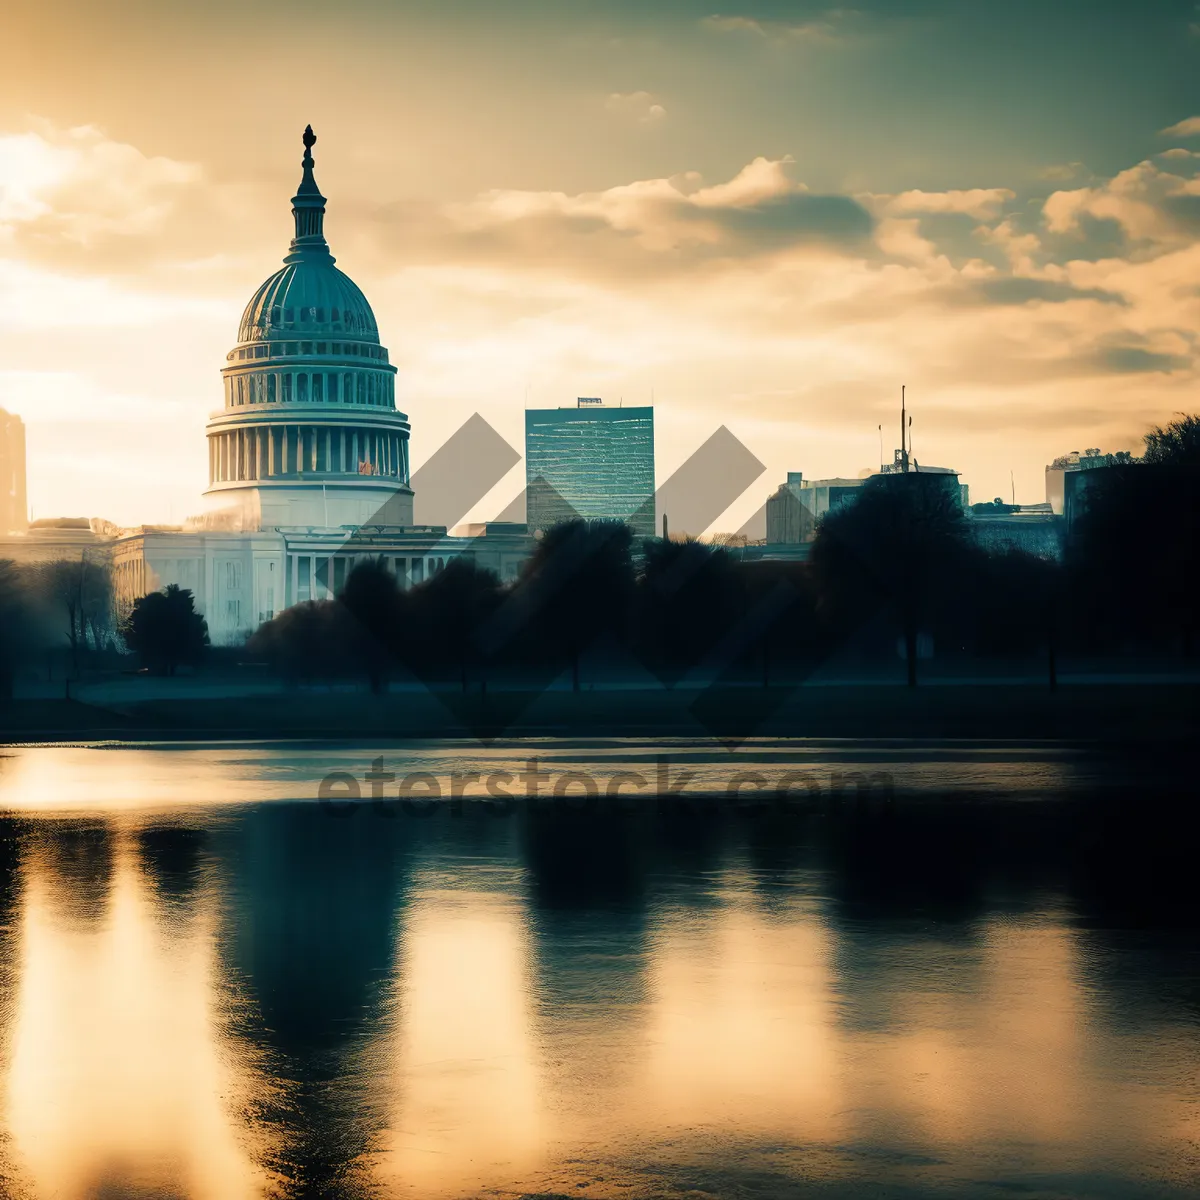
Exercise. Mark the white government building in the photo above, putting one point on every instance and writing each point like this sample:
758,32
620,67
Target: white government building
308,461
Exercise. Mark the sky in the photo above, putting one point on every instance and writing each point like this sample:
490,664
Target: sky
763,214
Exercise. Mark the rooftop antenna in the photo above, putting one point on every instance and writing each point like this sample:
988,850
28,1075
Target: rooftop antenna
903,433
881,447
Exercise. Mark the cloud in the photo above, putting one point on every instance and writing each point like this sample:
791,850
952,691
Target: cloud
745,297
981,203
1062,172
1189,127
643,107
823,29
1134,360
1019,290
80,186
652,226
1153,206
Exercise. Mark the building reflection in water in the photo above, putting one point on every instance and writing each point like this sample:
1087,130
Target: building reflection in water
115,1082
268,1001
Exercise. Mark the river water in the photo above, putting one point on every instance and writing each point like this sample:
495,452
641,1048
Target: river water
816,969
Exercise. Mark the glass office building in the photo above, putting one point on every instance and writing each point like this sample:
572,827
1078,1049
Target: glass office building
590,461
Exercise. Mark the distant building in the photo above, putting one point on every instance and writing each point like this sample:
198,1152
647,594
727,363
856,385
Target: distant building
1069,475
1031,528
896,467
590,461
14,515
799,503
53,538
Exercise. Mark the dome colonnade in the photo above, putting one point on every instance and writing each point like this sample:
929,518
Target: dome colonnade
309,433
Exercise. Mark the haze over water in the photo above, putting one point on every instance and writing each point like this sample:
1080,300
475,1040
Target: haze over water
212,987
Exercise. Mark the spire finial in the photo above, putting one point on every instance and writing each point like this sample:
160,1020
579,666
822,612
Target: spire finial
308,208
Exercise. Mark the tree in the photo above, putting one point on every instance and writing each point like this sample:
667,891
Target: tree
165,630
309,641
96,611
1134,553
373,601
576,587
21,633
444,617
899,545
689,596
1177,442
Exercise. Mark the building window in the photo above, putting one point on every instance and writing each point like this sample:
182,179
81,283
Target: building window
287,389
302,388
318,388
304,578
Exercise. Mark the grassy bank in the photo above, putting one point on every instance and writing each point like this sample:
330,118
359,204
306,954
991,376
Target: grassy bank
1099,711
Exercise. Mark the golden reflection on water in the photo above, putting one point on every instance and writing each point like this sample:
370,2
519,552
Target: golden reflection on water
466,1083
520,1042
115,1076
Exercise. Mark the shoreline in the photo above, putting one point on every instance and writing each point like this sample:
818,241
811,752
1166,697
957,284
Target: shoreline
1139,713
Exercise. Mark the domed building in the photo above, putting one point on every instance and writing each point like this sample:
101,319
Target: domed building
308,461
310,433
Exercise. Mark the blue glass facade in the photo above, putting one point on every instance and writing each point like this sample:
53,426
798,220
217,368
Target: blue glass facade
590,462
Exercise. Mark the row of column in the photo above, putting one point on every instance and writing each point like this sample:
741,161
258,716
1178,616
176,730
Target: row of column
301,387
322,576
272,451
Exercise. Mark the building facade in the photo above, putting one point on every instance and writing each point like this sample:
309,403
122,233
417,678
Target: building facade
590,461
308,459
798,504
14,511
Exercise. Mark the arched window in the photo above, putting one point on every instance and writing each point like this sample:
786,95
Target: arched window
302,388
287,387
271,389
318,388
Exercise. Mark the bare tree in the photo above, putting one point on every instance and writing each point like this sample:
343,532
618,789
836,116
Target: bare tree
79,594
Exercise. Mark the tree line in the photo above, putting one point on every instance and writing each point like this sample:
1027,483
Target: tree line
889,573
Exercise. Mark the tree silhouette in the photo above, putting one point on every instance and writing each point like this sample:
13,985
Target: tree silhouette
1177,442
578,587
443,617
79,593
307,642
900,545
21,633
1134,554
165,630
689,596
373,600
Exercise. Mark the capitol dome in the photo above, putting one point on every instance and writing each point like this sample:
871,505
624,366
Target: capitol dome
308,298
309,433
